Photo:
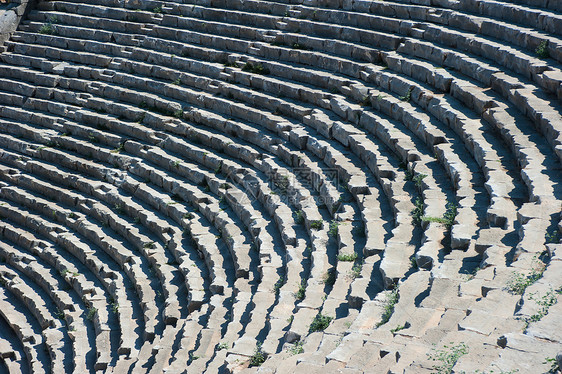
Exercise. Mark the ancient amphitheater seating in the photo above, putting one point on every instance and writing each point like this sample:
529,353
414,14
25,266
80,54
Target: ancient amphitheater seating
188,185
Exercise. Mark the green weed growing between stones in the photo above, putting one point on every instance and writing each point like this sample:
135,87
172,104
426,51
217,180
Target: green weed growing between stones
519,282
391,301
447,357
296,348
333,231
544,302
299,295
317,225
258,357
320,323
542,49
347,257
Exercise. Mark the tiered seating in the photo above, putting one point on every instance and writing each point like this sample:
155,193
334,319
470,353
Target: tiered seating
199,185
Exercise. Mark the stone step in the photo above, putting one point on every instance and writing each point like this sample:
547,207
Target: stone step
28,332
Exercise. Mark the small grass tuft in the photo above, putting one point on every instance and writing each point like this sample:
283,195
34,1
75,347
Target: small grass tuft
356,271
544,302
390,302
299,295
329,278
48,29
447,357
91,313
408,96
552,237
418,211
320,323
255,69
301,47
398,328
418,180
365,101
542,50
296,348
347,257
119,148
299,217
448,218
553,365
413,262
258,357
221,346
317,225
518,282
333,231
278,285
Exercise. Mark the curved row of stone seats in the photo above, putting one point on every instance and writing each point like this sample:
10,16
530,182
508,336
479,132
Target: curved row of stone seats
12,355
519,92
317,14
163,31
459,15
554,208
419,97
76,275
39,307
544,189
48,214
428,192
73,129
97,310
502,82
486,28
57,261
132,147
111,222
47,279
50,154
553,115
28,331
61,139
532,221
31,200
181,16
539,4
316,273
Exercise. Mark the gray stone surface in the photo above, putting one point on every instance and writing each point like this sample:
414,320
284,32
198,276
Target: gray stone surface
178,180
